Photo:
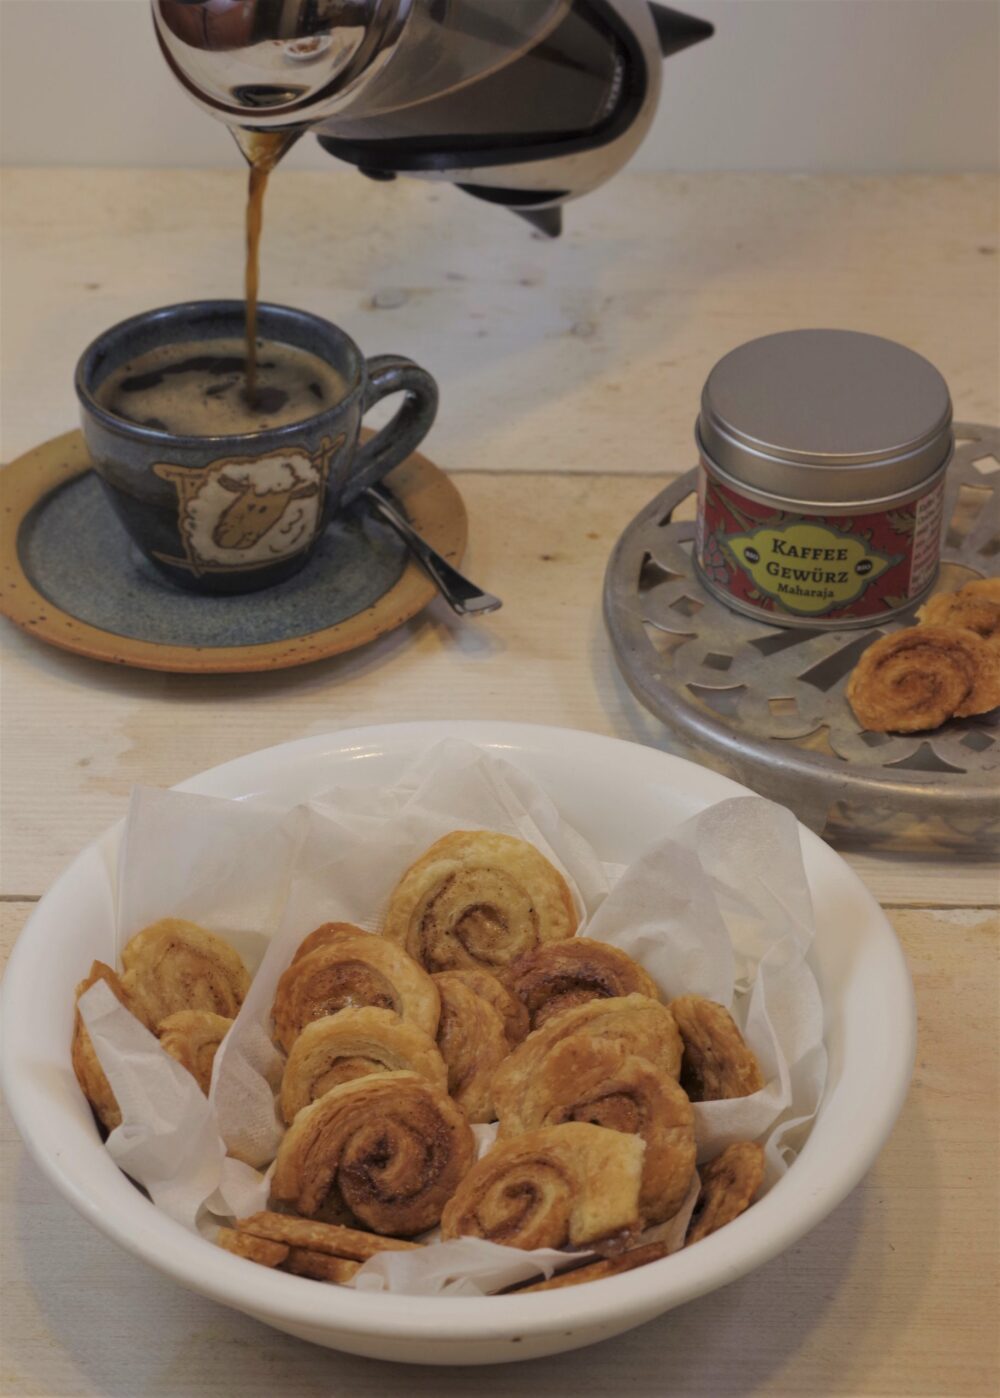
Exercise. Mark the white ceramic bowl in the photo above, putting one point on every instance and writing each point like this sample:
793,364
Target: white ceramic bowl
620,795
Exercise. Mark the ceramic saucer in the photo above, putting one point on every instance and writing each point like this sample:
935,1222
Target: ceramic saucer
72,577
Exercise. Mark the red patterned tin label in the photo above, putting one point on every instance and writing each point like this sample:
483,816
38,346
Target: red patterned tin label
833,567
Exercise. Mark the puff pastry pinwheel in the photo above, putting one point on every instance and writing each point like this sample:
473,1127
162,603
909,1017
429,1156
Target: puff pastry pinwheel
478,898
175,965
193,1037
353,970
324,934
717,1062
635,1024
472,1042
728,1185
390,1149
86,1065
354,1044
974,607
563,974
571,1184
916,679
515,1017
595,1080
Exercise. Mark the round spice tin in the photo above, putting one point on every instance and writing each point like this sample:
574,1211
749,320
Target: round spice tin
821,484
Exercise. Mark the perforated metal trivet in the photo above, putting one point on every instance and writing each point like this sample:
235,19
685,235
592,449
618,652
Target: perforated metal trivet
766,705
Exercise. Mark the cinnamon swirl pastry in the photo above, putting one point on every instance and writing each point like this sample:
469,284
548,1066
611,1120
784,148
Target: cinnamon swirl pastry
595,1080
634,1024
193,1037
389,1148
717,1063
478,898
728,1185
349,972
326,933
86,1065
473,1043
353,1044
571,1184
563,974
491,988
975,607
175,965
916,679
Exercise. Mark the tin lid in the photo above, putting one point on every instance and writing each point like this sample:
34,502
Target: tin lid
826,416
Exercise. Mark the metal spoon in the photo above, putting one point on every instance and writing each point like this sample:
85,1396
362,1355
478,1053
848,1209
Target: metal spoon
462,596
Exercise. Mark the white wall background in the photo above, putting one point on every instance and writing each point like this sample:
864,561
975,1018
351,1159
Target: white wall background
797,85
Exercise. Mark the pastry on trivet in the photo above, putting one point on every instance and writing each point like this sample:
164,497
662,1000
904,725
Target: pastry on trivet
975,607
572,1184
717,1063
324,934
477,898
635,1024
389,1148
175,965
491,988
562,974
193,1037
353,970
596,1080
607,1267
86,1065
728,1185
353,1044
916,679
472,1042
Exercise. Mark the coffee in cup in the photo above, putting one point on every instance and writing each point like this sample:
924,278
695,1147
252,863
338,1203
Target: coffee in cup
198,388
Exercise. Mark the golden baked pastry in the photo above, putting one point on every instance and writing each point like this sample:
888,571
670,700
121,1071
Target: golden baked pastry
912,680
472,1042
86,1065
175,965
320,1266
596,1080
477,898
728,1185
193,1037
326,933
571,1184
717,1062
491,988
389,1147
983,587
975,607
632,1023
258,1250
349,972
563,974
329,1238
352,1044
607,1267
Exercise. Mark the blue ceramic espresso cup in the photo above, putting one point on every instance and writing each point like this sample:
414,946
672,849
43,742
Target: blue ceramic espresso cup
177,495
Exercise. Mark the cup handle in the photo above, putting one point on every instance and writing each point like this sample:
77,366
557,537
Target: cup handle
393,443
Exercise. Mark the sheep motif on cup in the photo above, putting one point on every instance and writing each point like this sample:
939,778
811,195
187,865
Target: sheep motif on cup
246,511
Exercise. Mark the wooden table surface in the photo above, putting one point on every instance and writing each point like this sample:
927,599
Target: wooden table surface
570,377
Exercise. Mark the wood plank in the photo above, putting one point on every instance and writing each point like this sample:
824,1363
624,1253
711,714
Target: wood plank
587,353
77,734
894,1294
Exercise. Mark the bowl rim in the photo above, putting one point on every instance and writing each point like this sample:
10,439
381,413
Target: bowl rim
791,1208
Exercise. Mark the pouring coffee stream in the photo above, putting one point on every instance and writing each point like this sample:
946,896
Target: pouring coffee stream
263,150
